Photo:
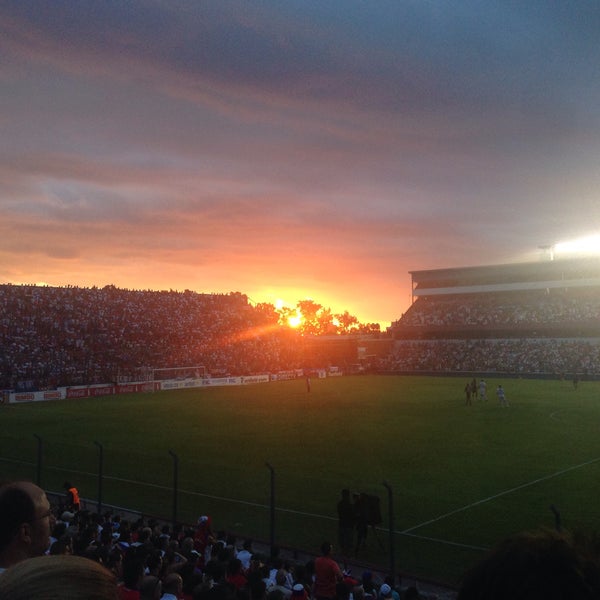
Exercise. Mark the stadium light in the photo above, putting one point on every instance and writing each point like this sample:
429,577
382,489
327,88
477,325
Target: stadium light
588,245
548,250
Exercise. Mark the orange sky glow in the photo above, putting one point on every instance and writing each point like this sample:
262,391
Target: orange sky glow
291,151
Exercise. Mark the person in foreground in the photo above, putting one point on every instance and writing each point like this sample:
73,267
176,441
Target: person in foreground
541,565
56,578
26,522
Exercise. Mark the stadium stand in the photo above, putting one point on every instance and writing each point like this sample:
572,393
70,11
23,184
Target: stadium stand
67,336
57,336
538,319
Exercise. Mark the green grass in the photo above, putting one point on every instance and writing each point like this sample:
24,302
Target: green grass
462,477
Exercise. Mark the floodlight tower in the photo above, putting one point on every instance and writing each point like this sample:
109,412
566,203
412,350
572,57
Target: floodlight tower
548,250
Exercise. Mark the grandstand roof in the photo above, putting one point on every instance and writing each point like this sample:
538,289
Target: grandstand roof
549,274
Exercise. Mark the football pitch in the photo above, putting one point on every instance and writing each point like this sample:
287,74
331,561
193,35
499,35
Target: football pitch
462,477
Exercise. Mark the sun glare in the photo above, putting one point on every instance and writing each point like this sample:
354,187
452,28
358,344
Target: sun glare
585,245
295,320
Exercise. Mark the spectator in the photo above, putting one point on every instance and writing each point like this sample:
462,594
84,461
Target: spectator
57,578
368,585
389,581
172,587
150,588
536,566
245,554
235,574
327,574
73,503
26,522
133,573
280,584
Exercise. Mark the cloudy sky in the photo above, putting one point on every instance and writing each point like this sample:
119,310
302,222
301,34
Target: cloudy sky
290,148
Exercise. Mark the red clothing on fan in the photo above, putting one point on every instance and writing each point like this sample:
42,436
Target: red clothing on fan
237,579
127,594
327,575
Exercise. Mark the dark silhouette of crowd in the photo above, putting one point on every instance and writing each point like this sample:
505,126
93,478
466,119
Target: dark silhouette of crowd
57,336
143,558
537,565
49,552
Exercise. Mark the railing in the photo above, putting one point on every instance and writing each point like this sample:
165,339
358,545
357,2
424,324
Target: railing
89,474
166,487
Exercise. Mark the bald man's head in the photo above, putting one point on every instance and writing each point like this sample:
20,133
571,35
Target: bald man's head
26,522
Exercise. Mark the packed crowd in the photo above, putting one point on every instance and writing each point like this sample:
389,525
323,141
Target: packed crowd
83,556
107,557
505,308
53,337
68,335
536,332
544,356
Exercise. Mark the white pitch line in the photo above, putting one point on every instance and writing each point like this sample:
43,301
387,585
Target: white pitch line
406,532
504,493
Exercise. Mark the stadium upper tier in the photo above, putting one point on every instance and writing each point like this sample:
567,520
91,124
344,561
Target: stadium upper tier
529,318
544,275
552,298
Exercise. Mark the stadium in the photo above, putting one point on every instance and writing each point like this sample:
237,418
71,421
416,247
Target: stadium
530,319
169,385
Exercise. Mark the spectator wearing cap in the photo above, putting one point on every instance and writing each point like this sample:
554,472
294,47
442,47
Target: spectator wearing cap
389,581
303,575
299,592
245,554
26,522
67,517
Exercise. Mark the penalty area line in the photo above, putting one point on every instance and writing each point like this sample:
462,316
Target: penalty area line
500,494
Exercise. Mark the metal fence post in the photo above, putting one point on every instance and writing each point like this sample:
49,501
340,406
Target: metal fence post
272,519
100,474
175,485
39,460
391,526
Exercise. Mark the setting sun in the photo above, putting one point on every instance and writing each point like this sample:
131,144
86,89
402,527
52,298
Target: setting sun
295,320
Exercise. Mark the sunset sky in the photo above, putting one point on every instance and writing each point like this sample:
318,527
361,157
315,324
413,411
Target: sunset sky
293,149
